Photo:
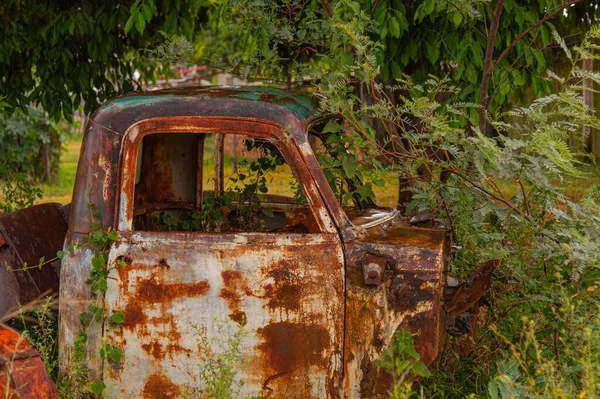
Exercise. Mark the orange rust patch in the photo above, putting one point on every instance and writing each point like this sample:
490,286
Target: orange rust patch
22,377
287,289
287,346
134,314
155,291
239,317
159,386
235,284
154,349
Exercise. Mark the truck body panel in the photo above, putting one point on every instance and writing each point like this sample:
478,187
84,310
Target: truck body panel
319,291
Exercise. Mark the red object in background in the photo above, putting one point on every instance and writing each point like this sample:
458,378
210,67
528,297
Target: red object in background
22,372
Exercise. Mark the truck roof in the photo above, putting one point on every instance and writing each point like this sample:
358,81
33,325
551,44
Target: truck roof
284,107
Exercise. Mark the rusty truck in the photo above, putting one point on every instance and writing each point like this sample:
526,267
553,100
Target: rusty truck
318,286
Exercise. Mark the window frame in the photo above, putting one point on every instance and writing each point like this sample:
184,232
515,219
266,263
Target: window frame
250,127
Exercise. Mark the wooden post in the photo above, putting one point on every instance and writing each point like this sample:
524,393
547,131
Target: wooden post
219,155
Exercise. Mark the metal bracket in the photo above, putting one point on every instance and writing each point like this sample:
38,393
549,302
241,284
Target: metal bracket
373,267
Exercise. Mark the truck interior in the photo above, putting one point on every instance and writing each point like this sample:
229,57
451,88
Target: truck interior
216,183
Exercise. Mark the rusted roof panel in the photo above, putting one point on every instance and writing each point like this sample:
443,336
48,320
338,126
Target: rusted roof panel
281,106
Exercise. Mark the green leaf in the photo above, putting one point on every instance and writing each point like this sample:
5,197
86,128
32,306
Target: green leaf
171,24
517,79
111,353
401,20
545,35
457,18
117,318
99,285
432,50
60,254
366,192
396,71
140,22
420,369
187,28
129,24
98,261
113,235
95,387
332,127
134,7
146,12
115,354
349,168
429,6
84,318
394,27
380,16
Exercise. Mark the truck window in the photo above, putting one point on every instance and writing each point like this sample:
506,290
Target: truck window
216,183
366,189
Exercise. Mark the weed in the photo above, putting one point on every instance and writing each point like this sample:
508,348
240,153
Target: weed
220,361
41,331
403,362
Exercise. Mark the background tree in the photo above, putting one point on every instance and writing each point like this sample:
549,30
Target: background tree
60,54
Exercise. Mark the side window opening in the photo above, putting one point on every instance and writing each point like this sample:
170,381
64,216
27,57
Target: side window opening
354,182
216,183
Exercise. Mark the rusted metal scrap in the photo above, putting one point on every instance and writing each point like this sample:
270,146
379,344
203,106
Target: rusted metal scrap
466,296
22,372
26,236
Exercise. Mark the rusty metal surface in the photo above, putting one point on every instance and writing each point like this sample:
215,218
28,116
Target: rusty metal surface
22,373
96,179
315,320
468,293
409,296
74,299
283,107
285,291
465,298
28,235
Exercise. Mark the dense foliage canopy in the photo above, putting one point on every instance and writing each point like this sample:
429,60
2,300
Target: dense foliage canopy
62,54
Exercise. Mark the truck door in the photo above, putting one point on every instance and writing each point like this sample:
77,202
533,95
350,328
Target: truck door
245,282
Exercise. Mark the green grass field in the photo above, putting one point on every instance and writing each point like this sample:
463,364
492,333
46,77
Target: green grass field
61,190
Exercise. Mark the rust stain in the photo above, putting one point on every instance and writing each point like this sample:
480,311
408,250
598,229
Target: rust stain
287,346
159,386
239,317
135,315
153,348
154,291
235,284
287,288
149,293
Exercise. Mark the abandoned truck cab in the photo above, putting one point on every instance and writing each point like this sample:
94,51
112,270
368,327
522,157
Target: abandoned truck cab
227,227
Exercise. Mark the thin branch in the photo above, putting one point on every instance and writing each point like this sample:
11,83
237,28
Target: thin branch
556,349
525,201
532,27
492,195
500,85
488,65
373,9
327,8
